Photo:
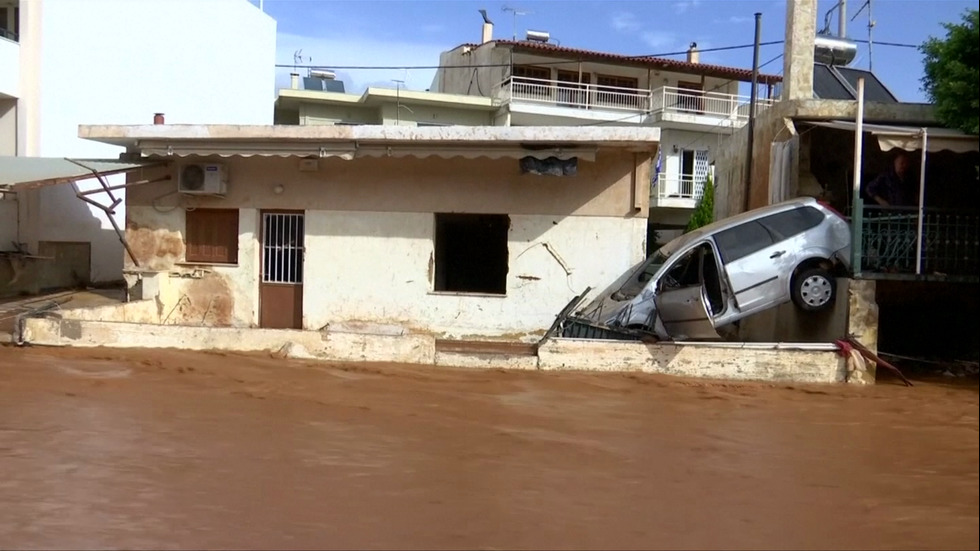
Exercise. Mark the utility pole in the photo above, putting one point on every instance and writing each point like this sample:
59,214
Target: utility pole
752,99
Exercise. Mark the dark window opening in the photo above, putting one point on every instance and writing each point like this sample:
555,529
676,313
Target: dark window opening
742,240
698,268
784,225
471,253
211,236
530,71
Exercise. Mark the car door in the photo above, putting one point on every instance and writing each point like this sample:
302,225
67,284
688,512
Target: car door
681,299
755,264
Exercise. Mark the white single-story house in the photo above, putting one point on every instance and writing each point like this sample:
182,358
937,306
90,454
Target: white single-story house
453,231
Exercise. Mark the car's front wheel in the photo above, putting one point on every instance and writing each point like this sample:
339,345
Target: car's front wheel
814,289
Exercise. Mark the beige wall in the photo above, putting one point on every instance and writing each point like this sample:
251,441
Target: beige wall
469,74
483,81
433,184
318,113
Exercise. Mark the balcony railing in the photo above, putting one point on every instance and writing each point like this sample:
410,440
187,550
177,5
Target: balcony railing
684,186
593,96
572,94
950,241
696,102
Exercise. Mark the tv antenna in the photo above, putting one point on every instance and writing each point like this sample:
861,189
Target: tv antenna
871,26
299,59
515,12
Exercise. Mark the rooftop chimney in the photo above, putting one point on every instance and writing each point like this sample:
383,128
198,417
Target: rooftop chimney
693,55
487,28
801,28
158,118
294,81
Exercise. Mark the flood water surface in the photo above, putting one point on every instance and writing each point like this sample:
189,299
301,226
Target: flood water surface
165,449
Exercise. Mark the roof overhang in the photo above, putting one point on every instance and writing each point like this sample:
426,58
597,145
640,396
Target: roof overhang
349,142
374,96
17,173
574,55
910,138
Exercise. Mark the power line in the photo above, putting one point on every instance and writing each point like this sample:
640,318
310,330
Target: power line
542,64
877,43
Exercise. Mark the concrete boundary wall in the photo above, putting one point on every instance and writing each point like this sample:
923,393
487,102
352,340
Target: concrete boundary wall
782,362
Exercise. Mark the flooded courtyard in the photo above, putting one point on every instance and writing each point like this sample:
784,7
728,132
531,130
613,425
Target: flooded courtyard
166,449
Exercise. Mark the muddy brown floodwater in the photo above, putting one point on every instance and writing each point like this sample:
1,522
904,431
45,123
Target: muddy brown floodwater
164,449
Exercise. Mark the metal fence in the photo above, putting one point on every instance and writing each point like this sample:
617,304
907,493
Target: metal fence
950,241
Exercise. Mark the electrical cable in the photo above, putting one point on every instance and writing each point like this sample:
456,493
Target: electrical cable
482,65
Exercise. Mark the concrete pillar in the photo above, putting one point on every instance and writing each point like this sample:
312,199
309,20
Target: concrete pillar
801,28
862,322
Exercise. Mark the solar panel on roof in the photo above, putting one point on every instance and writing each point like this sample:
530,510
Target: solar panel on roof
874,90
826,85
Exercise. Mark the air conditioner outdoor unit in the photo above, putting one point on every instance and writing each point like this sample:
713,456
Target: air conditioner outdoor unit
203,179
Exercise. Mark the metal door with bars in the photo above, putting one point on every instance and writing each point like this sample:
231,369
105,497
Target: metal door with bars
281,285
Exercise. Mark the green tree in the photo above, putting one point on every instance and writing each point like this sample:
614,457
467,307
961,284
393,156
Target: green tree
704,213
951,74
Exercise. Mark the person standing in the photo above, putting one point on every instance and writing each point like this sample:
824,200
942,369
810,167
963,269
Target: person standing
891,188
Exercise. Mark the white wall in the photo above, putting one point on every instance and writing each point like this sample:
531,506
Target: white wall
358,270
10,64
683,139
119,62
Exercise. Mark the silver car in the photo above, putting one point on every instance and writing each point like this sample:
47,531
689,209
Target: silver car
733,268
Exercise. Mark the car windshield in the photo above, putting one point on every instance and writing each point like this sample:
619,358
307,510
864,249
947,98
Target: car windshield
642,275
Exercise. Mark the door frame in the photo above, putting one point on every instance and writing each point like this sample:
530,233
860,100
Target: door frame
299,291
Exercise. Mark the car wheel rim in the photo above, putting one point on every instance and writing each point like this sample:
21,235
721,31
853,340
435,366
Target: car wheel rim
816,291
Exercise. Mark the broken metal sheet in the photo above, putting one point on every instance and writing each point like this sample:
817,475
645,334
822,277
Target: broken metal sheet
31,172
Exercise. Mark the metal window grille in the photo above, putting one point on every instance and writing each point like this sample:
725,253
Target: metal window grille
282,248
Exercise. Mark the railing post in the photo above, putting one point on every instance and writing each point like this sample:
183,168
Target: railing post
922,195
857,205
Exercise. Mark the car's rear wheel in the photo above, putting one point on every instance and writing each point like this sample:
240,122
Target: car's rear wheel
814,289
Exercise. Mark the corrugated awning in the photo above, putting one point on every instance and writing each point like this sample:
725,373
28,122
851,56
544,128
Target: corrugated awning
30,172
352,151
910,138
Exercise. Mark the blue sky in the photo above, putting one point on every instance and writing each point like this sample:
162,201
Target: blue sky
338,33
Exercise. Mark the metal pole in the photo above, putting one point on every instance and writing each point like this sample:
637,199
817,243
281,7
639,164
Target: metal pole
922,208
871,24
752,99
842,19
857,205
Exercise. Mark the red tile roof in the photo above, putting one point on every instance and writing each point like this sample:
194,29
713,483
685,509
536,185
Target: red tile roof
719,71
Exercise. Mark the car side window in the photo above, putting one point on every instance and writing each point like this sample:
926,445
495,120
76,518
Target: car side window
786,224
742,240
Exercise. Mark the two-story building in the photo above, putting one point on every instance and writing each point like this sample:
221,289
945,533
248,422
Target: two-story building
537,83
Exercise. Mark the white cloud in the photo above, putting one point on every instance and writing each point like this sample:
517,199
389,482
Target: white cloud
661,40
684,5
360,51
740,19
624,21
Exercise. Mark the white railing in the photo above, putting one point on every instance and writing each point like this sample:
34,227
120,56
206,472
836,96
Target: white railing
680,187
670,99
573,94
667,99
